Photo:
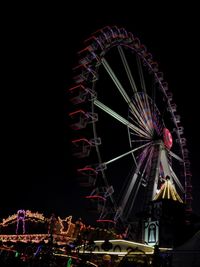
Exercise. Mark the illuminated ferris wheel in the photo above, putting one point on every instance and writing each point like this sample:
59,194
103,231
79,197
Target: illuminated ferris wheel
127,134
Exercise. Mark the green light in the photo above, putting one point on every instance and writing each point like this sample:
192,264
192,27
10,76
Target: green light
69,262
16,254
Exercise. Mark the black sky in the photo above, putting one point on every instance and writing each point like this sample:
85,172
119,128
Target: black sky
39,52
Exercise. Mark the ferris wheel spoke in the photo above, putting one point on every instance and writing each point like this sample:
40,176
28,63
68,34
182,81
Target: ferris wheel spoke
115,115
157,169
148,161
176,180
140,124
144,103
144,123
121,90
145,111
175,156
168,171
130,208
135,134
139,135
139,141
150,120
125,154
129,138
135,141
127,69
132,183
165,163
142,81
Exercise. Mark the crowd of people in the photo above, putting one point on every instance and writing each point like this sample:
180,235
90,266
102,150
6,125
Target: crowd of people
46,255
38,256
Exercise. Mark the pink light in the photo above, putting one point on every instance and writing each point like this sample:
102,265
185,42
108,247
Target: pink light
167,138
95,197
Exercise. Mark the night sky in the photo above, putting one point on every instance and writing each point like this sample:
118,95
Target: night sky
39,51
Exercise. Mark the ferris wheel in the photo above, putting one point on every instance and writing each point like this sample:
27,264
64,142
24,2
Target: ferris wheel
128,135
